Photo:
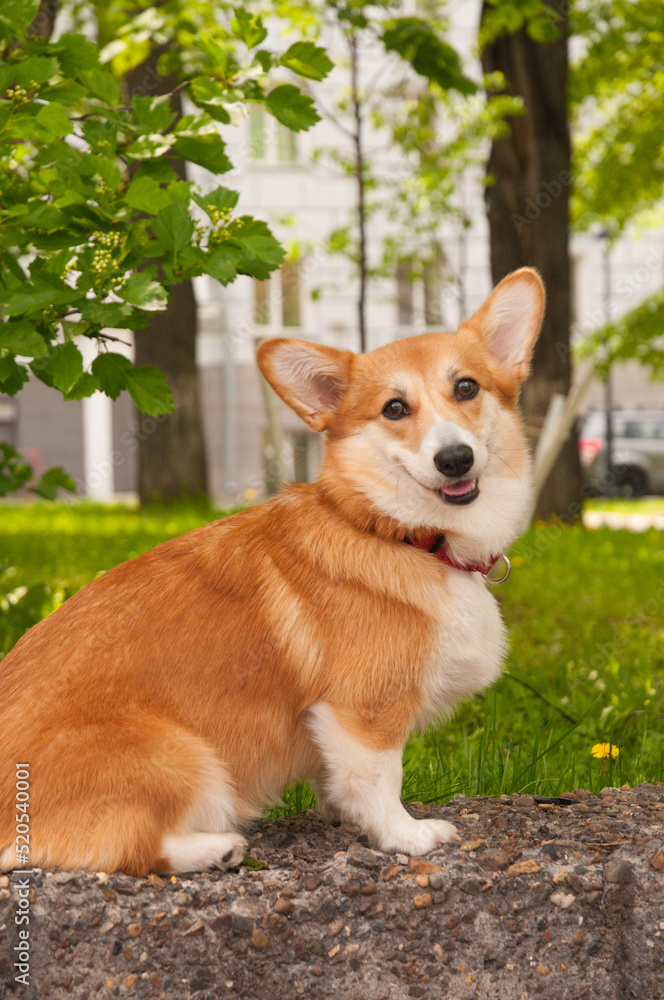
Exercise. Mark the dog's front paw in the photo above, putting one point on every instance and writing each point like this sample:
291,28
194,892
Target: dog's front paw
230,853
442,831
418,837
194,852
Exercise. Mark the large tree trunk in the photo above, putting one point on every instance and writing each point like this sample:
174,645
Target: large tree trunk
528,210
171,456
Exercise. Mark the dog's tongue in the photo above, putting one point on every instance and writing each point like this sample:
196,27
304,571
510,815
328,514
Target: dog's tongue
459,489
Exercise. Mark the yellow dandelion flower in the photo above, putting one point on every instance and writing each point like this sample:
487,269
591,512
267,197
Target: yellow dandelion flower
602,750
250,493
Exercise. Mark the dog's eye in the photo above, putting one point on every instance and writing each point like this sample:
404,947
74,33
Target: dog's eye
466,388
396,409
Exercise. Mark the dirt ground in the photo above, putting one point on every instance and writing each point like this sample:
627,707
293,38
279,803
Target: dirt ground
552,898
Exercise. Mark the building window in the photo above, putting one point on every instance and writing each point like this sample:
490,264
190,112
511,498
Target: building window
419,289
269,140
289,273
256,133
404,295
432,282
286,144
277,299
261,302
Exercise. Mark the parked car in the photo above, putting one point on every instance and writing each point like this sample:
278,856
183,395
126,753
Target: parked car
637,453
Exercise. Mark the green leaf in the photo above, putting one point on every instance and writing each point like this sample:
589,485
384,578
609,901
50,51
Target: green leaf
102,84
151,146
212,96
76,53
62,368
207,150
307,59
12,375
146,195
207,90
619,170
147,387
261,253
506,17
157,170
111,370
54,479
173,227
191,260
222,199
35,69
214,51
8,261
154,114
14,472
291,107
84,386
67,92
16,16
637,335
22,338
141,291
419,42
55,119
102,136
248,27
107,169
543,29
266,59
221,263
108,314
6,77
40,295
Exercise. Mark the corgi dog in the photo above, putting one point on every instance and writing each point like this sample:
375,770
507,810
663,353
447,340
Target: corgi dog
164,704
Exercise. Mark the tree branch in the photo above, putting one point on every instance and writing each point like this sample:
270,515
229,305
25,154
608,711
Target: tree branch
359,172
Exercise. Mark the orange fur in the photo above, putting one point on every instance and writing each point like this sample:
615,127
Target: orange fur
176,690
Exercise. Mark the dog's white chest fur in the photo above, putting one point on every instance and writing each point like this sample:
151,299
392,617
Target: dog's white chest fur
469,648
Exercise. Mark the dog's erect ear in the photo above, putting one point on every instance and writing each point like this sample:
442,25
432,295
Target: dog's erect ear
310,378
510,320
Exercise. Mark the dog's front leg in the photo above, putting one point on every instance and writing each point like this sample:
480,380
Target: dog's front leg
364,784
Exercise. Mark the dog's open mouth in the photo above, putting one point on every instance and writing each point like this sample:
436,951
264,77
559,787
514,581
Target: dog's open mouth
462,492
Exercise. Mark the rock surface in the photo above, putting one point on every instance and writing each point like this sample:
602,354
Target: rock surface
560,898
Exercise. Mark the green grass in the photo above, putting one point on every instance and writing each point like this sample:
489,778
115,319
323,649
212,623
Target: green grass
586,617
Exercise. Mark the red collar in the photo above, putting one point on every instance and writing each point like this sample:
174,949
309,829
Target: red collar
436,546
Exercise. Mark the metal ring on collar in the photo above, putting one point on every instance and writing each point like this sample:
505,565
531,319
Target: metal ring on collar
501,579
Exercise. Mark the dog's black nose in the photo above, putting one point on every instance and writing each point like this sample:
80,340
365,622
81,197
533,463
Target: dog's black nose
455,460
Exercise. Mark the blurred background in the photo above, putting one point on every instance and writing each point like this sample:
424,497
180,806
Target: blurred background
415,191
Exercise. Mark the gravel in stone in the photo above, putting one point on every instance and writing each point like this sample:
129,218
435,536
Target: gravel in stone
552,898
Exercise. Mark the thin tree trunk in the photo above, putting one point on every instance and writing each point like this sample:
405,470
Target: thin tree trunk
171,457
361,202
44,21
528,211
